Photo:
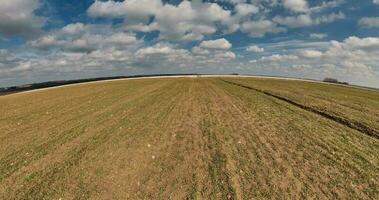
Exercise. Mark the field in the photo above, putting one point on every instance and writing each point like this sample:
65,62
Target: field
190,138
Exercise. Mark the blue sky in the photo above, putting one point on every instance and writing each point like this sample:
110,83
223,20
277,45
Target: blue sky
43,40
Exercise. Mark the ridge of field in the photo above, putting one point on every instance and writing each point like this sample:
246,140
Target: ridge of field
183,138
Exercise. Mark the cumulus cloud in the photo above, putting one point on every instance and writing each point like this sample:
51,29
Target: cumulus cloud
244,9
75,28
260,28
10,64
294,21
160,48
162,54
90,42
311,53
219,44
75,58
133,9
329,18
357,43
302,6
46,42
213,51
255,49
352,59
306,20
326,5
279,58
17,17
79,37
369,22
166,54
296,5
192,20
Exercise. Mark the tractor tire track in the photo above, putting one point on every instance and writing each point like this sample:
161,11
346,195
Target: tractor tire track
353,125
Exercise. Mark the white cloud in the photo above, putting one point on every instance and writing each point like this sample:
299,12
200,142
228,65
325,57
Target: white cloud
160,48
354,60
167,54
375,1
244,9
10,64
121,38
79,37
329,18
74,28
370,22
219,44
296,5
17,17
326,5
200,51
294,21
226,55
260,28
279,58
141,27
356,42
185,21
255,49
90,42
311,53
193,20
138,10
213,51
46,42
318,35
307,20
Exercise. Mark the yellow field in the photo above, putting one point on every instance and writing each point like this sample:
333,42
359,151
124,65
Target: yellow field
190,138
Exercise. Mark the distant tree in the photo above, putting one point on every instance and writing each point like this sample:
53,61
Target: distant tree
330,80
333,80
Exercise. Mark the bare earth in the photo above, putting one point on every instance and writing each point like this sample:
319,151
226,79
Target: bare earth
189,138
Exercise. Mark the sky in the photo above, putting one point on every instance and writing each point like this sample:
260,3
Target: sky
45,40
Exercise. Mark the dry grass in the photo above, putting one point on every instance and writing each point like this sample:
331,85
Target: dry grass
184,138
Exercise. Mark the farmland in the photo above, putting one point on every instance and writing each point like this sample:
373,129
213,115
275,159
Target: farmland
190,138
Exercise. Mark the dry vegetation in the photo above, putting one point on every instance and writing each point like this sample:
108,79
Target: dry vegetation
188,138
